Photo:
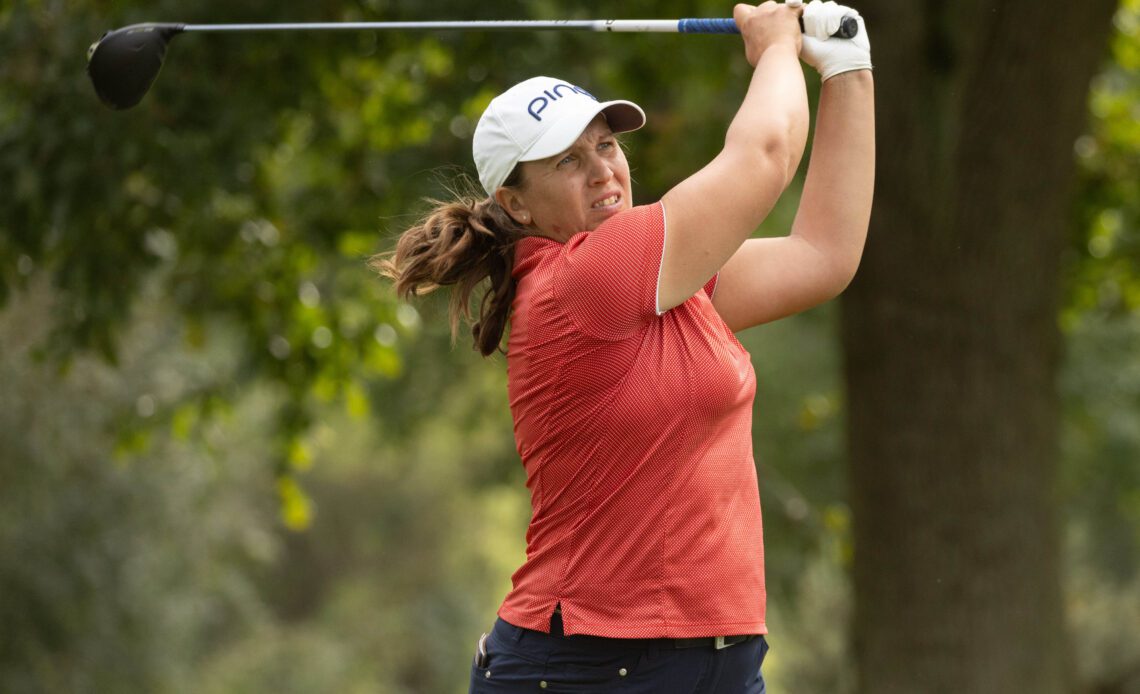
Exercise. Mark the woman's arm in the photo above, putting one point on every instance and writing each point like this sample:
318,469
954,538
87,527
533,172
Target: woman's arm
775,277
711,213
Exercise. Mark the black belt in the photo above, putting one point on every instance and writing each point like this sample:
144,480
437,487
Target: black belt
717,642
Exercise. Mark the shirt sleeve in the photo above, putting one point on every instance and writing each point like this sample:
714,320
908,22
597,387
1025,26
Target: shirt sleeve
606,279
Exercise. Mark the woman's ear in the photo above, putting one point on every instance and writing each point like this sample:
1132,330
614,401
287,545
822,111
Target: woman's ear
510,200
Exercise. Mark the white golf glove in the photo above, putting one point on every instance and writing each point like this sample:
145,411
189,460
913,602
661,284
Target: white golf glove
833,56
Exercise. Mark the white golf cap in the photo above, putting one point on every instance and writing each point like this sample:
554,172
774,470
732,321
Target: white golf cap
539,118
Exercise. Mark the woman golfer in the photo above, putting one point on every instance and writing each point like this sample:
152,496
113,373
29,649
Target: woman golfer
631,397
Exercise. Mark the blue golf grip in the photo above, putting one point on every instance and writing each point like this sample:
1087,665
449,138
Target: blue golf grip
848,28
707,26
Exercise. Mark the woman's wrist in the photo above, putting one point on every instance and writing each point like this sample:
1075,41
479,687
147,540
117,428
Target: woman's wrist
862,78
788,46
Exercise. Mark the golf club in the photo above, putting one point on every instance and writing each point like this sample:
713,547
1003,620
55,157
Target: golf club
124,63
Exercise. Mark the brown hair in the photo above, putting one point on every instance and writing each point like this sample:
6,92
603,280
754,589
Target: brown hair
460,243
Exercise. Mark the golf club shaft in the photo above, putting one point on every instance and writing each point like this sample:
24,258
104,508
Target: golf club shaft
124,63
662,25
683,26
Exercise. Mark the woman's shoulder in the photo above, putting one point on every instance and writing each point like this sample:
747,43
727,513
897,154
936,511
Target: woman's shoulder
531,252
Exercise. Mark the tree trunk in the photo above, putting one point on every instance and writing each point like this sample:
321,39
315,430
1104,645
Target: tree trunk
952,347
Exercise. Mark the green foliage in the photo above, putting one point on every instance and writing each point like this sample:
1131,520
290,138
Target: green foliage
1104,310
1105,262
1101,487
1101,378
119,570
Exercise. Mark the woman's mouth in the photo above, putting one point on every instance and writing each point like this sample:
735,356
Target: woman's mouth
606,202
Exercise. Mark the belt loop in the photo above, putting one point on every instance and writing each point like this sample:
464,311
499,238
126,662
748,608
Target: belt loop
516,633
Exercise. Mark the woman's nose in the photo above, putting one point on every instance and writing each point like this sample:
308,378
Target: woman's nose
600,170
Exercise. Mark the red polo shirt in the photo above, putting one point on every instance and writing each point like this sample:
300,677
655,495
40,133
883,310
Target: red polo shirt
635,430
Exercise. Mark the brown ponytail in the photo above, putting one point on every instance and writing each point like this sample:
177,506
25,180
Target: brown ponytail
460,243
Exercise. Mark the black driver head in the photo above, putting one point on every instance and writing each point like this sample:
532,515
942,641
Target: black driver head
124,63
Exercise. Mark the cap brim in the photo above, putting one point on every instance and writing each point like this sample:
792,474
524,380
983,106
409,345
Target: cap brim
622,117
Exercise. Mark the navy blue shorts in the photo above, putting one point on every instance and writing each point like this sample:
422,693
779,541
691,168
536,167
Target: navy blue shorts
523,660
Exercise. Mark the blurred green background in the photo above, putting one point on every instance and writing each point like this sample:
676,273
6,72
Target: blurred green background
230,461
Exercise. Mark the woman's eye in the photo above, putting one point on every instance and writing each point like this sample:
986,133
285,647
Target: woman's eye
566,160
606,145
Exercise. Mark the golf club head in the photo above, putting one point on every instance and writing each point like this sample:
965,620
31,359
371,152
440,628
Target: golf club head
124,62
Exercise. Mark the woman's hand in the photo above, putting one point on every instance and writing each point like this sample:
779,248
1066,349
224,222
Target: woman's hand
828,55
766,25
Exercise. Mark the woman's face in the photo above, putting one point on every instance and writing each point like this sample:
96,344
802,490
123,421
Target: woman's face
575,190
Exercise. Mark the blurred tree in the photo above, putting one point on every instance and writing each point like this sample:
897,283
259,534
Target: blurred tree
1101,384
952,346
1104,267
118,572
